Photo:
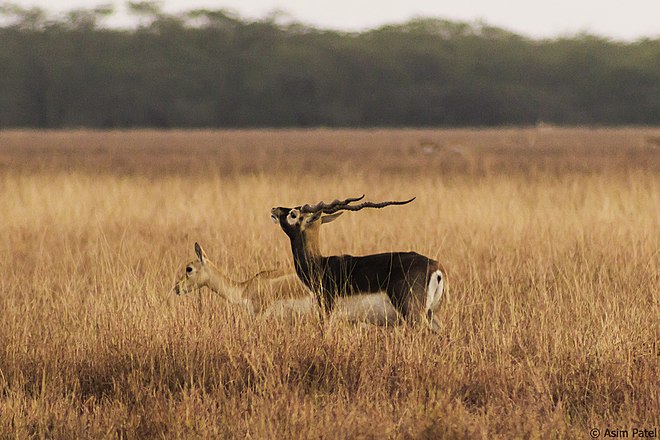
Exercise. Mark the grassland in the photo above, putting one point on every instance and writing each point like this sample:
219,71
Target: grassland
551,238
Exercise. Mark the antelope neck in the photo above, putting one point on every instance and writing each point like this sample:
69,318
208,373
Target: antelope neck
306,252
222,284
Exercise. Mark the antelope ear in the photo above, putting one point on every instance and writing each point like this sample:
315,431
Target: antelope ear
328,218
314,217
200,253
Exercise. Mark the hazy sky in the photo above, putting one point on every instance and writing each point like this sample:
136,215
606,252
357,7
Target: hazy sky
618,19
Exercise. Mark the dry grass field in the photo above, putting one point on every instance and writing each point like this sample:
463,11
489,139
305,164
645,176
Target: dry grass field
550,236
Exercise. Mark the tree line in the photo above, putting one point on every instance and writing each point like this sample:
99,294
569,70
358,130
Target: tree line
210,68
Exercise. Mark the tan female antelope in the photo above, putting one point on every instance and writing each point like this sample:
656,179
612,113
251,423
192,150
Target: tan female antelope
414,283
267,284
278,294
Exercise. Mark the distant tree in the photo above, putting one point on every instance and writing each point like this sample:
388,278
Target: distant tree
211,68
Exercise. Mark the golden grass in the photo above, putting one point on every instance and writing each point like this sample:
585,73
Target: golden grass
551,238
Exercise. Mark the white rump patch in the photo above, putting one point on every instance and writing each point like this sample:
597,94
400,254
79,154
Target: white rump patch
435,290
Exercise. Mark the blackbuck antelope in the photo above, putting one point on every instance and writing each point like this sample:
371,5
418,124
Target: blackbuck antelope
278,294
265,285
414,283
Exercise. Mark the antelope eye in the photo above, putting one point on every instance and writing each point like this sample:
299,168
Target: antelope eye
189,269
292,217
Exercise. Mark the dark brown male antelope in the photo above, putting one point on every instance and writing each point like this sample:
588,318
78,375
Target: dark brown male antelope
414,283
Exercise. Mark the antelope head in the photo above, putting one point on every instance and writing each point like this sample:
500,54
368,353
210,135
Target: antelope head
197,274
294,221
307,218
